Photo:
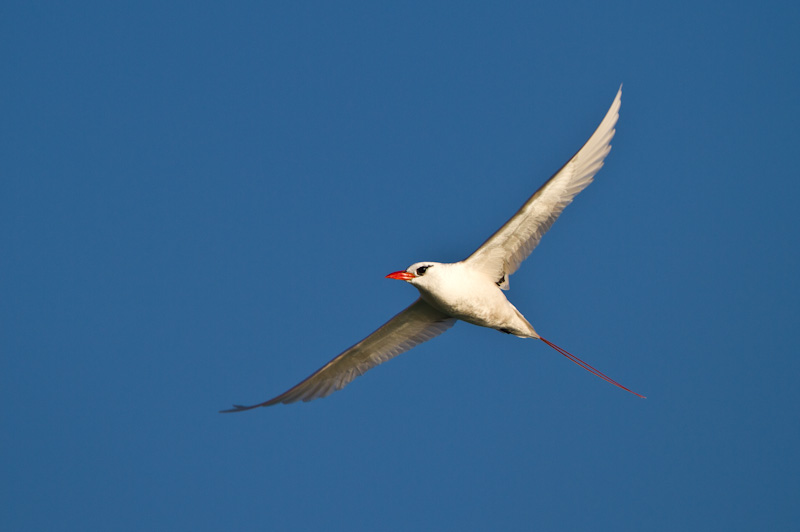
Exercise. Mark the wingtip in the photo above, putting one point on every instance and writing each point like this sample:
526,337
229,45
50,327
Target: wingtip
238,408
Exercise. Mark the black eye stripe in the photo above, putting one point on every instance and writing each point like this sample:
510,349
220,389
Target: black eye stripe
422,269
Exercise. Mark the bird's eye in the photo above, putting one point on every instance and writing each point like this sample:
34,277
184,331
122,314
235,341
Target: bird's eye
422,269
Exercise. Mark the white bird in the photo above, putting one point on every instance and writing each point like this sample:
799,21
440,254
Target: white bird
470,290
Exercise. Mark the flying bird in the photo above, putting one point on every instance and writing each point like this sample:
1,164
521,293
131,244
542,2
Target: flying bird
470,290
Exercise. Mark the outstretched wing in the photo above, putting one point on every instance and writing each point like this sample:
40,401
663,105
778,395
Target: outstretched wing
504,251
416,324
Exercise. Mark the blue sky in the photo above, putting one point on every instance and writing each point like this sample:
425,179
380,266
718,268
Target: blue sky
199,203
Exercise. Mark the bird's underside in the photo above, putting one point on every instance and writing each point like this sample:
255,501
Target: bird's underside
471,289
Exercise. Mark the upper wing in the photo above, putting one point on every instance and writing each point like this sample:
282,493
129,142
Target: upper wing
416,324
504,251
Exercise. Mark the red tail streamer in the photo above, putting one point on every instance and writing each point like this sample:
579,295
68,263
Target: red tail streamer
589,368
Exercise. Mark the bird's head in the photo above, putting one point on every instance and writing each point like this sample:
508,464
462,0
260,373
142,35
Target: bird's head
419,274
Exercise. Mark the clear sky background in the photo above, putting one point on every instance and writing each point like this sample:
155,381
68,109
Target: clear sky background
199,203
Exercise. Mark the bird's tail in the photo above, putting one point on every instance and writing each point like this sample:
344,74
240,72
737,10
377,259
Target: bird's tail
588,368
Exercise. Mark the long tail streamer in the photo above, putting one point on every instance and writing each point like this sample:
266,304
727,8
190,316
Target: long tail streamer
589,368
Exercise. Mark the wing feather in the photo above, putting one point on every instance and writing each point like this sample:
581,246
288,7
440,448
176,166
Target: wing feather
416,324
502,254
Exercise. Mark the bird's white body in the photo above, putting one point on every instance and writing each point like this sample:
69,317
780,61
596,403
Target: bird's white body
470,290
470,295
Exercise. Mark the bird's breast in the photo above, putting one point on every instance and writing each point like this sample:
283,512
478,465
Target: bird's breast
472,298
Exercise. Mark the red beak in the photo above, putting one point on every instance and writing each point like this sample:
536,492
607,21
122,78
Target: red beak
402,276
